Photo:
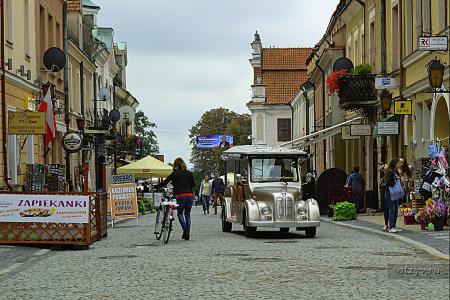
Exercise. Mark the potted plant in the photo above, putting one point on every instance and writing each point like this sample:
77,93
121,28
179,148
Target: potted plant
423,216
408,216
355,88
335,80
438,211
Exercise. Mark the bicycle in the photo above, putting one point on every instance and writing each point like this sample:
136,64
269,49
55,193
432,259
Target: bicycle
163,228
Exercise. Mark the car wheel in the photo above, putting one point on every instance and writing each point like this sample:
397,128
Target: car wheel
226,226
310,232
249,231
285,229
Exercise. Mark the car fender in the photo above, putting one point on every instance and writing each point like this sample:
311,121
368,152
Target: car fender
252,210
227,206
313,210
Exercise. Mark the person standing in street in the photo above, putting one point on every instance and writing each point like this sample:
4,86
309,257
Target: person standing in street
204,194
217,188
391,177
355,181
183,186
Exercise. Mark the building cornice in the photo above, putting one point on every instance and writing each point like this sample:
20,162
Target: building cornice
20,82
81,56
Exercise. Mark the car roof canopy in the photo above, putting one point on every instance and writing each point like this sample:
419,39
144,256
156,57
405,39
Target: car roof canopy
262,150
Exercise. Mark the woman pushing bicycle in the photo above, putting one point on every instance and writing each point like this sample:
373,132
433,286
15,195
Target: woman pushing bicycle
183,185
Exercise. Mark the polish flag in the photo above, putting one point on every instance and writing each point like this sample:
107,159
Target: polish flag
47,107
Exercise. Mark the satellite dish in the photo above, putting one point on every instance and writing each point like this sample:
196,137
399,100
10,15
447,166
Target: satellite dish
54,59
126,114
343,63
104,94
114,115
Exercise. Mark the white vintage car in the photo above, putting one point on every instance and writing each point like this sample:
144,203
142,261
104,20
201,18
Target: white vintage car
263,189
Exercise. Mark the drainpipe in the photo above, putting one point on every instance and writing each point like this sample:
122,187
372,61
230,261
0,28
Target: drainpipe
66,92
3,79
82,88
323,114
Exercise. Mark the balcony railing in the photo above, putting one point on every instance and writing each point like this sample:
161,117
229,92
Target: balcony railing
357,91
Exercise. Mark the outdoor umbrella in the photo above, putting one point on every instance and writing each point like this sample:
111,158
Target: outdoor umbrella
146,167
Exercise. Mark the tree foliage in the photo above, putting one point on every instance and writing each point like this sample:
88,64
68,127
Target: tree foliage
217,121
143,130
240,128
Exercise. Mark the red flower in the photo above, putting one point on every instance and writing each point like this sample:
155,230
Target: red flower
334,79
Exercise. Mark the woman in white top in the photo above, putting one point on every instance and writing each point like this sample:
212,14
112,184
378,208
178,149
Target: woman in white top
205,194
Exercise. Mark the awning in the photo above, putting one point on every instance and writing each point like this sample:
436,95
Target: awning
315,137
146,167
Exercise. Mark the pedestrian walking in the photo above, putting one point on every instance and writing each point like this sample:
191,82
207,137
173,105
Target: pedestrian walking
204,194
355,182
391,197
217,188
405,175
183,186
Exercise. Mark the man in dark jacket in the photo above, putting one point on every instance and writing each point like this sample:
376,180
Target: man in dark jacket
217,187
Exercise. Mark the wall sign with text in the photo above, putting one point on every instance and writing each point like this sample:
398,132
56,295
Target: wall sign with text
403,107
387,128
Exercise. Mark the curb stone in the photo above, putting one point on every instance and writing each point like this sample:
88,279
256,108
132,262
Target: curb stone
413,243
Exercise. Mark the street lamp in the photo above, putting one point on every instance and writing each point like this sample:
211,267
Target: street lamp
386,100
80,123
435,73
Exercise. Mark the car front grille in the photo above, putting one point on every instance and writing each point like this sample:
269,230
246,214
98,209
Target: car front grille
284,207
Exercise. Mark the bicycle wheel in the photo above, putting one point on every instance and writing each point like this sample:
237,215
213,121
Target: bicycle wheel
159,224
167,226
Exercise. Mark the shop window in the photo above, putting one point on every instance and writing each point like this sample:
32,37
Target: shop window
284,129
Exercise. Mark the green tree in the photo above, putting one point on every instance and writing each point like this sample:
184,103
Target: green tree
143,130
240,128
217,122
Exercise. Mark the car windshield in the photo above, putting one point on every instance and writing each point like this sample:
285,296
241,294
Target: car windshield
273,170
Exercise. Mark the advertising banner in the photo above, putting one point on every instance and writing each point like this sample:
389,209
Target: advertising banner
44,208
214,141
123,201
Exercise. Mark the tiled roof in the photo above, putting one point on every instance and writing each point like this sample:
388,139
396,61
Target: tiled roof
285,58
73,5
281,86
283,71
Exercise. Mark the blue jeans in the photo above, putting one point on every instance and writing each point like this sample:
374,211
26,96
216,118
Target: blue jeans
393,209
184,212
205,201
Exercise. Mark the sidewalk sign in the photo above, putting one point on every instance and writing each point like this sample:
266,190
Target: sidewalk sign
123,198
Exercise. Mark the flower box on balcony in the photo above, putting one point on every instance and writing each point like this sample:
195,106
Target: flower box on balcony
357,91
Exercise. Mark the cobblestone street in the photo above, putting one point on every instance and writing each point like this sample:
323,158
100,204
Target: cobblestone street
131,264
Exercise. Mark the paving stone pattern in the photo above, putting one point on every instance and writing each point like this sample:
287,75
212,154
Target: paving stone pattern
340,263
439,240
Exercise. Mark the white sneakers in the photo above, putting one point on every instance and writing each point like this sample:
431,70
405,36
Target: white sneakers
395,230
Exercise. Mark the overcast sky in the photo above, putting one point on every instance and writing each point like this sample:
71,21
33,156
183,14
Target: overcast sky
189,56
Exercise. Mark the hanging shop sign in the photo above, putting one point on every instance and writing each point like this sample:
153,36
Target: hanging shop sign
360,130
44,208
403,107
123,201
433,43
382,83
346,133
72,142
387,128
26,122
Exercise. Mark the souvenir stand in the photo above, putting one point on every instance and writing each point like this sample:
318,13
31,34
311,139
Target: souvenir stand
430,196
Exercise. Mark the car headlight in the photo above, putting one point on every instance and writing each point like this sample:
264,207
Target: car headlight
302,207
265,210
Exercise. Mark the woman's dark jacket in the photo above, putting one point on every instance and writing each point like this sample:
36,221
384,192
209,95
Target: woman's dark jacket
183,181
391,177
